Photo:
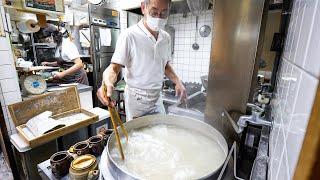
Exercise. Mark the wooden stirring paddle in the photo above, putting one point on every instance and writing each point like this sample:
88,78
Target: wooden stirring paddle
116,121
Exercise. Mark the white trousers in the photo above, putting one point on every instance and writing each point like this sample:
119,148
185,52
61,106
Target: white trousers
140,102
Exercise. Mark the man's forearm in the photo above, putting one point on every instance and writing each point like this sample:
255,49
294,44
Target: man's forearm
110,74
75,68
169,72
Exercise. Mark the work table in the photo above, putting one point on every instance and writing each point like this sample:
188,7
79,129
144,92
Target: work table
81,88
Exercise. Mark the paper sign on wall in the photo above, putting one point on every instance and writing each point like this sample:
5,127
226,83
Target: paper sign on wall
105,36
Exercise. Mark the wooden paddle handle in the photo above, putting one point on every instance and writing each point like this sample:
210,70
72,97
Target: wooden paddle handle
121,125
116,132
115,119
104,87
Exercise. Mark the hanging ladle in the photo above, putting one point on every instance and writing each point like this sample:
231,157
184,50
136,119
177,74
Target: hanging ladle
195,45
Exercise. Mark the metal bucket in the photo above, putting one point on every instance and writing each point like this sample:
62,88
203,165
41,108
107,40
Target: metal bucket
178,121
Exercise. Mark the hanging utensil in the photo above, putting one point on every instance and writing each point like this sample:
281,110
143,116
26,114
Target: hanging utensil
196,8
205,31
195,45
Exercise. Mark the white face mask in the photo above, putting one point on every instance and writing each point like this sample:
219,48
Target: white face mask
156,24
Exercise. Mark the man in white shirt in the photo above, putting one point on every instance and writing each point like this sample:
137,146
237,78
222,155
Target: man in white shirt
145,52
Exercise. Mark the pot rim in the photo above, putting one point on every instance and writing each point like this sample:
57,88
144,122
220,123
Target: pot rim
222,144
59,153
95,137
80,143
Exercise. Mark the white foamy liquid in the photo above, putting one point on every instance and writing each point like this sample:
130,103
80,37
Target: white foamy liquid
169,152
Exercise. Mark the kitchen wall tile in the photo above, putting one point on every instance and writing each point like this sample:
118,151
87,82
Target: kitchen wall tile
270,172
306,94
273,167
283,89
278,152
283,173
285,83
7,72
309,10
12,97
4,44
274,137
293,88
297,81
188,63
280,144
9,85
286,119
295,139
297,34
6,58
290,36
286,49
295,29
312,64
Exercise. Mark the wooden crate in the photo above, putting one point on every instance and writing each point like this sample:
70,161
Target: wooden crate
60,103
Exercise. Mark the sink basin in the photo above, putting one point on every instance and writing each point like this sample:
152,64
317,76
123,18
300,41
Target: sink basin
196,102
195,107
168,93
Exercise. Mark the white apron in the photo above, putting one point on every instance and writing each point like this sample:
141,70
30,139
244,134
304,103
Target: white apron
140,102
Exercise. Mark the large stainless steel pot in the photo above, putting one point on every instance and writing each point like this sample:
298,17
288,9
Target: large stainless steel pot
179,121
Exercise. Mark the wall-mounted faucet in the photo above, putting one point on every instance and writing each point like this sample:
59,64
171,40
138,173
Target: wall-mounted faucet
255,118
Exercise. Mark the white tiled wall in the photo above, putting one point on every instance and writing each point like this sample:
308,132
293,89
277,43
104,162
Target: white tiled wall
190,64
297,82
9,86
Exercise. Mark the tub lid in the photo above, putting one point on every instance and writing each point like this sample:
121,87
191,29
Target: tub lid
83,162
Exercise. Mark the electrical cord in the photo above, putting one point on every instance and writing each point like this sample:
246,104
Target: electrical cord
234,151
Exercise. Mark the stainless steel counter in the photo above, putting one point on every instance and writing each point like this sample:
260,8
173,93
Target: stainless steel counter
81,88
170,99
195,106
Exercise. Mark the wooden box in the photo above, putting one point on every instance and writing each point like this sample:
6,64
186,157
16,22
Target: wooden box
60,103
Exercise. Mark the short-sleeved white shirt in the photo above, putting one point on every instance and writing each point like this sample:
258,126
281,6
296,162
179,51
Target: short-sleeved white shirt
69,51
143,56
